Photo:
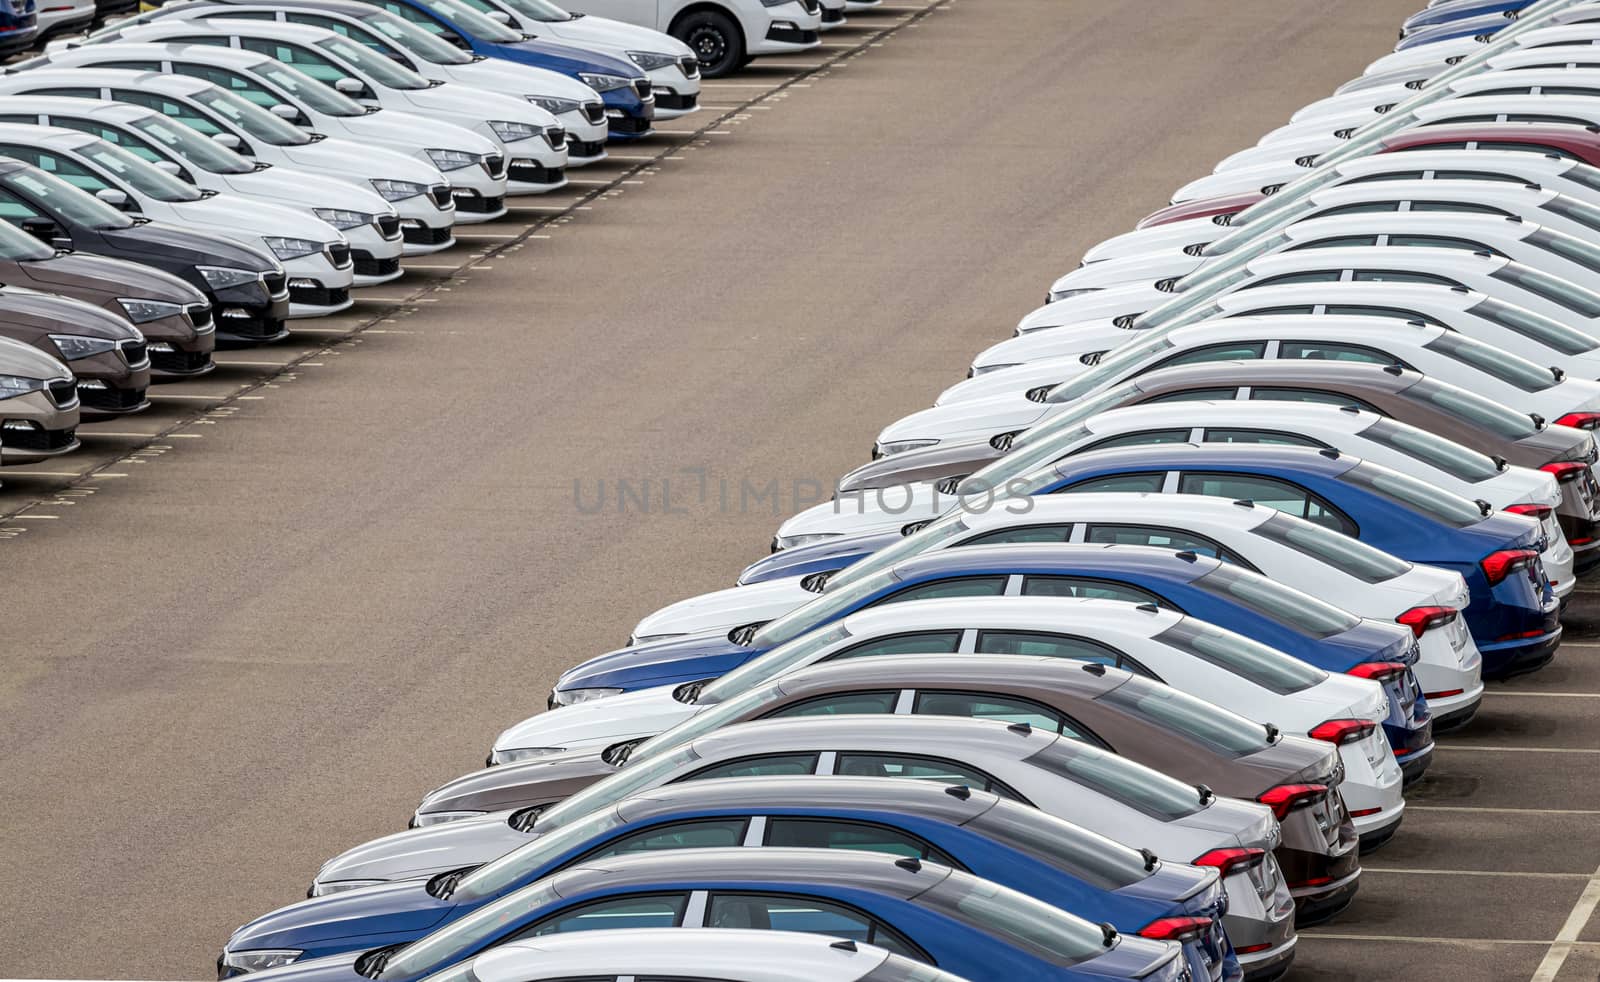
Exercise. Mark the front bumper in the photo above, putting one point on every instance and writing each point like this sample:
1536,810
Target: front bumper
318,287
34,428
180,346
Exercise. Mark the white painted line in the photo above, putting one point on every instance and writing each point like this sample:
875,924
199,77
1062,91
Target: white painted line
174,395
487,235
735,85
139,436
230,363
1481,749
366,299
1580,644
1479,809
25,517
1406,871
1314,933
1544,695
450,268
634,158
1577,920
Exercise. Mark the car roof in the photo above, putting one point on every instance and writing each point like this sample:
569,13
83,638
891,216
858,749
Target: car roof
55,137
125,50
1419,258
1049,508
1077,679
875,872
1167,564
887,794
1391,295
953,613
949,735
701,953
1210,457
263,28
1480,81
1555,134
1450,189
1311,417
353,8
90,75
1324,327
117,112
1350,376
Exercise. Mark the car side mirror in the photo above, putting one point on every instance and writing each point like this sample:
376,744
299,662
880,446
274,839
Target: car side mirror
113,197
453,38
169,167
285,111
43,229
349,86
228,140
500,15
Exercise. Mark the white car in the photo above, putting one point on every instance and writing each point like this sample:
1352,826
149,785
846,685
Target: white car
1244,676
1441,56
720,953
531,147
369,223
314,254
1578,51
247,129
318,108
1213,239
1540,339
1289,550
723,34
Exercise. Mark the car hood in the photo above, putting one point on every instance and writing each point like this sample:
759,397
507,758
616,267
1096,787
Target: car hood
1286,150
544,781
424,852
723,610
1340,102
817,557
1270,171
1171,237
570,60
589,30
247,219
953,458
514,78
977,419
1139,269
467,102
302,189
332,968
336,156
1012,381
392,127
27,310
183,245
1133,299
393,907
599,723
1066,343
27,361
99,280
870,511
660,659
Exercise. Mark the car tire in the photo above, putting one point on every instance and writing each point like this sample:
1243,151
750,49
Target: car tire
715,39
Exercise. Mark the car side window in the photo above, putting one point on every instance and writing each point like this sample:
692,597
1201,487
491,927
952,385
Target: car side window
918,768
1335,351
130,143
840,704
1526,148
1360,208
770,765
1310,276
1459,207
708,833
834,833
68,92
1338,241
1234,351
1193,395
1234,434
1400,276
132,66
24,119
232,81
998,707
14,209
1024,533
1291,499
1146,483
808,915
1158,537
67,169
1441,242
1398,175
169,108
963,586
1280,393
421,18
320,68
1085,587
1368,310
1141,439
1045,645
613,913
914,643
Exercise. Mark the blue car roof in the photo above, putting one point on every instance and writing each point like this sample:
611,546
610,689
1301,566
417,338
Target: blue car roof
1144,561
1211,456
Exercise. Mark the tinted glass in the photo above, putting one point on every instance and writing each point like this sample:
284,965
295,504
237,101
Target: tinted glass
993,706
966,586
1022,533
1107,864
711,833
1420,496
840,704
919,642
1564,293
1281,393
1236,351
1343,552
1334,351
1140,788
1044,645
1140,439
1211,726
1033,925
836,833
1149,483
1159,538
1400,276
916,768
772,765
1268,491
170,108
1494,417
259,123
141,176
1234,434
1493,361
1194,395
1253,661
1079,586
616,913
1287,606
780,912
1432,450
1547,331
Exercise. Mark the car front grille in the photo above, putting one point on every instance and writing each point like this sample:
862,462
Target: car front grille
629,124
200,316
319,296
338,253
63,391
668,99
788,35
690,66
642,87
37,438
830,16
276,283
250,327
476,204
812,6
556,136
184,362
368,266
422,235
133,352
111,400
585,148
594,112
495,164
440,193
388,226
533,172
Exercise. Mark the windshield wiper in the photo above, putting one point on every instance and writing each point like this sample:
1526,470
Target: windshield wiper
443,885
372,964
690,694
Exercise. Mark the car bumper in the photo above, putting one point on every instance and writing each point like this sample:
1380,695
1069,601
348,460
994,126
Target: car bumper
1269,964
1506,659
371,270
1320,904
1458,717
32,429
527,176
475,208
1375,837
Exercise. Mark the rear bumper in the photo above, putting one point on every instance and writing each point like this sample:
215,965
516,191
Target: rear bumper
1265,966
1317,905
1457,717
1414,764
1509,658
1374,839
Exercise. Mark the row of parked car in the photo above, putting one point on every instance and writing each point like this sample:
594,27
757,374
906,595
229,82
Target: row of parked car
201,174
1177,676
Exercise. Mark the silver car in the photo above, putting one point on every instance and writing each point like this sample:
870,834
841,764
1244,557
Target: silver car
38,405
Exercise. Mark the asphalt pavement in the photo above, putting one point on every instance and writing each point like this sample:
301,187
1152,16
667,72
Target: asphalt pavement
249,628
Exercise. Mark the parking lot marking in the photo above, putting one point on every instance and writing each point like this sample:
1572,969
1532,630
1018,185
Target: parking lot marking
1411,871
1544,695
230,363
1489,810
1333,936
1497,749
1567,939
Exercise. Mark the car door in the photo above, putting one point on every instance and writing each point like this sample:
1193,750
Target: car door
797,832
742,910
630,911
69,170
915,767
1271,492
1158,537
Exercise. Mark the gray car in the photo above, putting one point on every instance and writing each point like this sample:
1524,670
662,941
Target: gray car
38,405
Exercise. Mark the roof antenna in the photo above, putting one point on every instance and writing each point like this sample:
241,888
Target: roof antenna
845,945
1108,934
909,863
1022,727
1150,859
958,791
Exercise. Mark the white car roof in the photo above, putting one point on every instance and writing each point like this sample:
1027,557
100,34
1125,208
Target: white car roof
1392,295
179,85
213,54
741,956
53,137
1490,80
1514,197
1442,262
1309,418
1190,510
1108,617
1394,334
170,27
101,109
1584,48
1576,106
1517,162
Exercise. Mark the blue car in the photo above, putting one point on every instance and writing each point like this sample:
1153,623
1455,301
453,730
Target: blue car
1449,12
1485,26
1222,594
19,26
630,108
1003,841
911,906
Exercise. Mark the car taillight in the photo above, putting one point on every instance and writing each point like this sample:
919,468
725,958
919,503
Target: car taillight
1421,619
1378,671
1537,512
1565,470
1583,421
1342,731
1286,798
1229,861
1498,565
1182,929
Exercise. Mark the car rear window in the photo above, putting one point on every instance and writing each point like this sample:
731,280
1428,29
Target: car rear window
1429,499
1140,788
1433,450
1253,661
1343,552
1534,326
1104,862
1200,721
1287,606
1565,293
1048,932
1493,361
1486,414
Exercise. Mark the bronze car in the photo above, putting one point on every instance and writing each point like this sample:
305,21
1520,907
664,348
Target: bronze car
106,354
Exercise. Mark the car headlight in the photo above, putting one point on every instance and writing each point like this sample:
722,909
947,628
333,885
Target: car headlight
12,386
222,277
804,539
145,311
1061,295
75,346
323,888
571,697
422,820
513,754
601,82
260,959
511,132
773,3
286,248
398,190
901,446
651,60
342,219
553,106
452,159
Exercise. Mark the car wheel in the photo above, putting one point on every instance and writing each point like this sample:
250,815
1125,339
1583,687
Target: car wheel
715,39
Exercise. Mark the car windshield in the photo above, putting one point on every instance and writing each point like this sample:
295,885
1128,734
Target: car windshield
1113,366
1108,864
1420,496
142,177
494,877
324,99
1546,331
1433,450
1141,788
1495,417
1562,292
713,717
930,536
479,25
375,66
1044,444
801,651
79,206
539,10
1495,362
451,942
825,608
1224,732
1286,605
1256,245
1033,925
1343,552
631,777
1252,661
1579,212
416,40
1197,301
257,123
1272,212
208,155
